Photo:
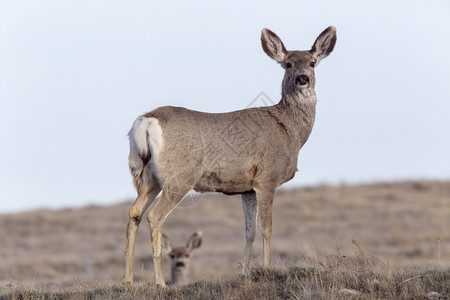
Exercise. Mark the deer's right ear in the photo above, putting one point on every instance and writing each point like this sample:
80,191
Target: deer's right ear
165,243
272,45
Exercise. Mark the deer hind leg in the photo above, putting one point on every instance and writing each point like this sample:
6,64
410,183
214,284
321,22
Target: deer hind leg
156,217
146,195
265,201
250,207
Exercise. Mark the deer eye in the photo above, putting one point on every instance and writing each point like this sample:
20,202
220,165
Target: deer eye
172,256
186,255
288,65
313,64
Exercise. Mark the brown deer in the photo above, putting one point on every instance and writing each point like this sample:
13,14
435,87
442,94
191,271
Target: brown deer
249,152
180,257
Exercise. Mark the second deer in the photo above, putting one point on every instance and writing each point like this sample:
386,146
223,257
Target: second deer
180,257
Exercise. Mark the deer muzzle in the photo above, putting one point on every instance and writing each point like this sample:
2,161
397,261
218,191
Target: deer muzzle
179,264
302,79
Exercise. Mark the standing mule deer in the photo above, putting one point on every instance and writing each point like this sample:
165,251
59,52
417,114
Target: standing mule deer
179,256
249,152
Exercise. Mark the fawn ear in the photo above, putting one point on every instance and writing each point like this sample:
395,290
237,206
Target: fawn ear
272,45
324,44
195,241
165,243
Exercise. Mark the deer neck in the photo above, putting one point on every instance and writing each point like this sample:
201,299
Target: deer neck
179,275
296,97
299,109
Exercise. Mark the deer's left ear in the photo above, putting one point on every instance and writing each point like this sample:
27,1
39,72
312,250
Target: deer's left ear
324,44
195,241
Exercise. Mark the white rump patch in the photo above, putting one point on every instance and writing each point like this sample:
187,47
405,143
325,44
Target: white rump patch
138,137
145,138
156,141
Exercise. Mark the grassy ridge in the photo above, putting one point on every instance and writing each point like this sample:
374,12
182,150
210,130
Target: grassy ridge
290,283
374,241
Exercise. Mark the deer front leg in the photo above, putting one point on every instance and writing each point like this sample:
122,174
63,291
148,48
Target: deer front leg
265,201
250,207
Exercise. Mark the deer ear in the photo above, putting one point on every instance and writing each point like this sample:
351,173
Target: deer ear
165,243
272,45
324,44
195,241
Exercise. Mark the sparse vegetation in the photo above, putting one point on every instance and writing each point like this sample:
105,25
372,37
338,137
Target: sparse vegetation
378,241
321,282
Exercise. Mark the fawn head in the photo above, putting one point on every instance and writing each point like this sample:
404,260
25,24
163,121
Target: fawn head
179,256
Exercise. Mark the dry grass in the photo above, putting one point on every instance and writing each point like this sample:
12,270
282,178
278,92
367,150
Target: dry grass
336,281
395,230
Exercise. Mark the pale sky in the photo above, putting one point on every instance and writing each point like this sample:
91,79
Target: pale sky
75,74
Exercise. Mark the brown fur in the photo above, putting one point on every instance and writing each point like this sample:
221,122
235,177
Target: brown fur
250,152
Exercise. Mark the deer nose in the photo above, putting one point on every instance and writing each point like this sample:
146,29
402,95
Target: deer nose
302,80
179,264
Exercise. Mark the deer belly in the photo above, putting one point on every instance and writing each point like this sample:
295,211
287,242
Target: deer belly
235,182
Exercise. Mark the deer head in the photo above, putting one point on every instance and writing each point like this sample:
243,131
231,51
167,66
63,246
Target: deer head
299,78
180,256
